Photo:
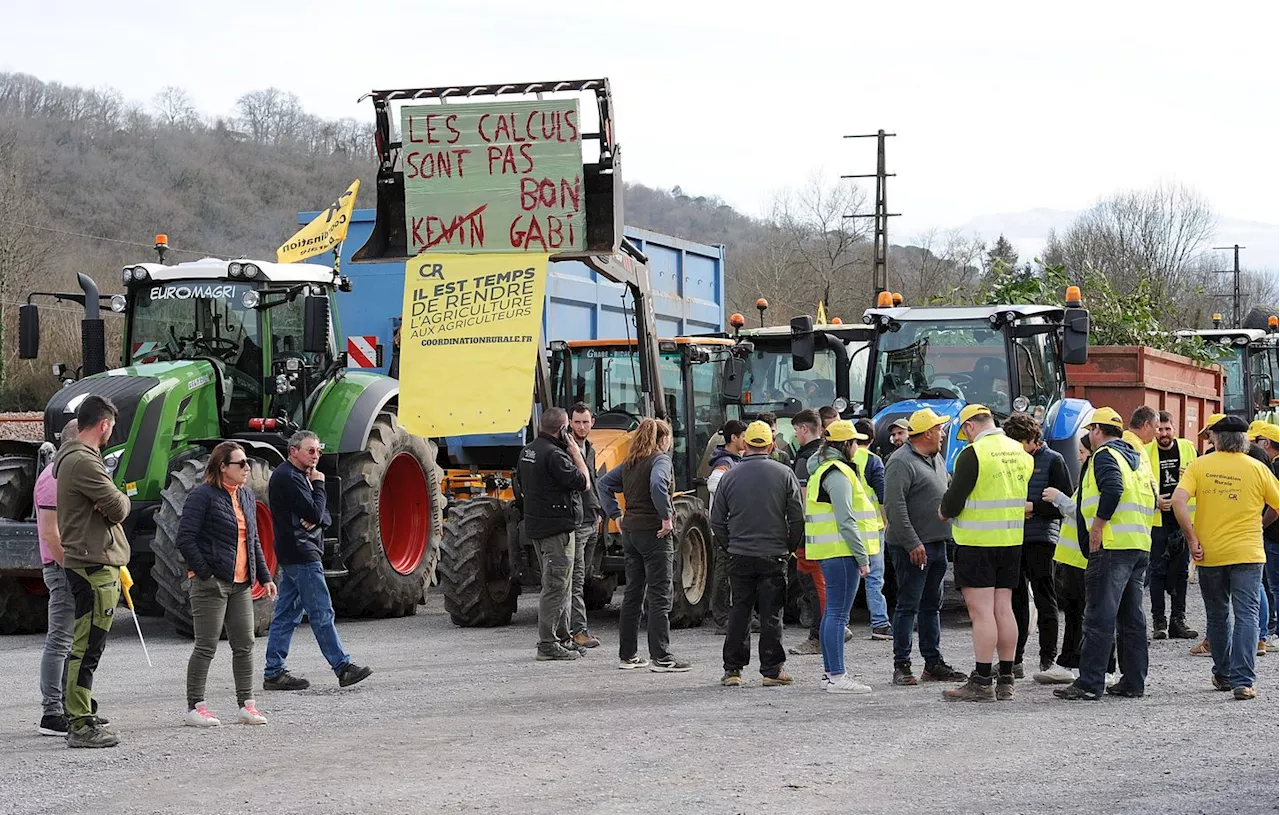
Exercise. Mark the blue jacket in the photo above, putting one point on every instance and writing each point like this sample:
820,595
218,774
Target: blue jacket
208,535
294,498
1050,471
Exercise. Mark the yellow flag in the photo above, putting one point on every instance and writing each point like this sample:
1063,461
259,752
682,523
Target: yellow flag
469,342
326,231
822,313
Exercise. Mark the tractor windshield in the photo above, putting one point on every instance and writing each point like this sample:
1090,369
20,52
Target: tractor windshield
1263,369
944,359
197,318
771,384
1235,396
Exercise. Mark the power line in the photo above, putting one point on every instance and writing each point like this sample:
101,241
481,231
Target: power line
199,252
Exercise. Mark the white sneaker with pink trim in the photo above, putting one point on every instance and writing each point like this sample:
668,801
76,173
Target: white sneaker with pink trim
249,714
200,717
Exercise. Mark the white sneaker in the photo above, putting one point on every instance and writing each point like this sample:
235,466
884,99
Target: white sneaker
1055,675
249,714
845,684
200,717
1113,678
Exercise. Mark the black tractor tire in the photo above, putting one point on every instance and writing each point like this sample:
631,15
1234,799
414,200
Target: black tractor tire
17,487
143,593
598,588
24,605
392,521
170,569
692,563
480,589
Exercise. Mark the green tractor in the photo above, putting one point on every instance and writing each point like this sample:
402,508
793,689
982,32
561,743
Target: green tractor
218,350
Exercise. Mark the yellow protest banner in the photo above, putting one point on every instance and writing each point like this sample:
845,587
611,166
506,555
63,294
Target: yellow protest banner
822,313
469,342
326,230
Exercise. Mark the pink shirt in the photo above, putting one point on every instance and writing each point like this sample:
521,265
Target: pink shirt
46,497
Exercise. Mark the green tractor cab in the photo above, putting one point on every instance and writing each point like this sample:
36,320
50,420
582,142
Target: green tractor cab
241,350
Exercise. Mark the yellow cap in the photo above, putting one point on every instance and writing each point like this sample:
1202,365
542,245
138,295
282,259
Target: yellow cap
1213,419
923,420
1107,416
758,434
1264,430
843,430
968,413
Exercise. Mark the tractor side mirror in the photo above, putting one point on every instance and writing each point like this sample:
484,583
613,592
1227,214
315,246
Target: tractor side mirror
315,324
1075,336
735,369
28,331
802,345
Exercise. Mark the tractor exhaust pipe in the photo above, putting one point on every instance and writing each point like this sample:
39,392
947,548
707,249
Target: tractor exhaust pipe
93,338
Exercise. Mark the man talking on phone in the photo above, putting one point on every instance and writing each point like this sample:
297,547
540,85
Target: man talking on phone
551,476
298,511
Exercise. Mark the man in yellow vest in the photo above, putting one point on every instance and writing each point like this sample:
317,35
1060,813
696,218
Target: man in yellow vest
1118,502
871,468
1170,559
1232,491
987,500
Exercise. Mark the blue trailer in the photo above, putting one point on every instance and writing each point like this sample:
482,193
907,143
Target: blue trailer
688,298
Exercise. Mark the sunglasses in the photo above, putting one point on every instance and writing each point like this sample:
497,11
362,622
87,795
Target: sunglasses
242,464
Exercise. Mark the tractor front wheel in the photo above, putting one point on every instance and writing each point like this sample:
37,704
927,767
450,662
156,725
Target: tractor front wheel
391,522
691,563
480,589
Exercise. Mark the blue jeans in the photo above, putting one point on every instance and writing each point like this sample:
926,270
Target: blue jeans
876,604
1232,591
841,574
1271,581
302,588
919,603
1113,612
1264,612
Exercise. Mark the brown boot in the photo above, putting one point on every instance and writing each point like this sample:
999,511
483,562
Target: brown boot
977,689
1201,649
783,678
1004,688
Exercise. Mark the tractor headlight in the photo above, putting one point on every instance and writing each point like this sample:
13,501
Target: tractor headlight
840,404
234,269
140,273
1021,404
250,299
127,274
1242,340
249,270
119,303
112,462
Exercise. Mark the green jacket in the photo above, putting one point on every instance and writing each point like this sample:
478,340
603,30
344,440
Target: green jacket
90,509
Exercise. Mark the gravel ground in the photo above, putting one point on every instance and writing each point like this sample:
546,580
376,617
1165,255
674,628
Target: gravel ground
466,721
26,426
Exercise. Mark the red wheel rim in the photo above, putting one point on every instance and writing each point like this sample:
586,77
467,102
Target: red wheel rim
267,537
404,514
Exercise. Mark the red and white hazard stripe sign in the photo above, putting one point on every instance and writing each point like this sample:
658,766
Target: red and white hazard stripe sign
143,351
362,352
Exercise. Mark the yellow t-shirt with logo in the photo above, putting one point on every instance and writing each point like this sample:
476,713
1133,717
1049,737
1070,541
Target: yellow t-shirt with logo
1231,490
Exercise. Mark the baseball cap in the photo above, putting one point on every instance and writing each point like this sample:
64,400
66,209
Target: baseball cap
901,424
759,434
1265,430
1107,416
843,430
923,420
1213,419
968,413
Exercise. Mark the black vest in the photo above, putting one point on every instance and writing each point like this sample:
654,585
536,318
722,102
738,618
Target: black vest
1039,528
640,514
548,508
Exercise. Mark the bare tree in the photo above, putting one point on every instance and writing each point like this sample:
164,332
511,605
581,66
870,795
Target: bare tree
937,267
20,245
174,107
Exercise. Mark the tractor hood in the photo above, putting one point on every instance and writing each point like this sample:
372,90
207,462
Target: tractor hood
943,407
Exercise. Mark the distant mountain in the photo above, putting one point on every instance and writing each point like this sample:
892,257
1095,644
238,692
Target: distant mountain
1027,231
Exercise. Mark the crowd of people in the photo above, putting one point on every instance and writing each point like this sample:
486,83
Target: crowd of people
1007,517
85,552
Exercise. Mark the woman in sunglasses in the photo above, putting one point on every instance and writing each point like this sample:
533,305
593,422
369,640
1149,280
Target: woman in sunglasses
218,536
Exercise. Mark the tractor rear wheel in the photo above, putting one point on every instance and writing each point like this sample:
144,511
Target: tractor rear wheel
691,563
480,590
173,587
391,522
17,486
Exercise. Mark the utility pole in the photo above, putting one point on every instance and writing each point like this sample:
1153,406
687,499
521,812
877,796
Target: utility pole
880,269
1235,278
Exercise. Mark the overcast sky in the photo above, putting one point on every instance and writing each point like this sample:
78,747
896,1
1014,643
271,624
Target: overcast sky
998,107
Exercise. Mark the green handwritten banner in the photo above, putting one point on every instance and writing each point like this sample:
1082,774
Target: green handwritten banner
493,177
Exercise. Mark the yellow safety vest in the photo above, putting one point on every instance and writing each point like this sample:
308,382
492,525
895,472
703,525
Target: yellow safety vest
1130,526
860,458
1144,466
994,512
822,538
1186,455
1068,549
